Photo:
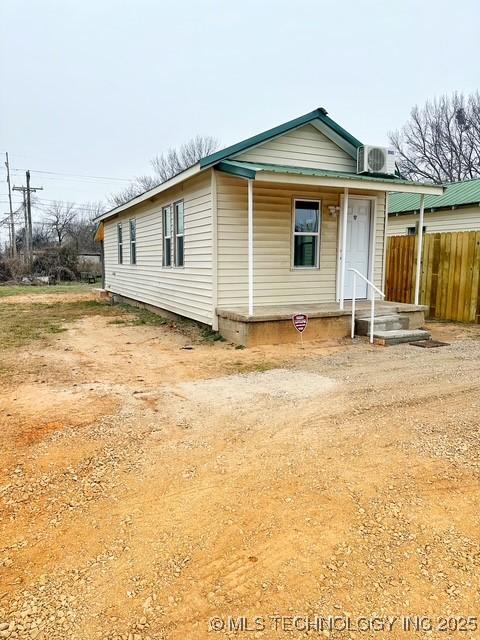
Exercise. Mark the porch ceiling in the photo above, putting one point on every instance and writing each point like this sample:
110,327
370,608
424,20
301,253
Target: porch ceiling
321,177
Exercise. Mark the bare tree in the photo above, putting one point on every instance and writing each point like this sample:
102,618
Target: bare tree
135,188
60,217
41,236
441,141
167,165
176,160
82,228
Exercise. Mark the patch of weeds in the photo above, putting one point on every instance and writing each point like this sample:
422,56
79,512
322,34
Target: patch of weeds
140,316
22,323
209,335
253,367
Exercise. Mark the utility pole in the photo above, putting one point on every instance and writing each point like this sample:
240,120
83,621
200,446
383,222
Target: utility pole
13,244
27,204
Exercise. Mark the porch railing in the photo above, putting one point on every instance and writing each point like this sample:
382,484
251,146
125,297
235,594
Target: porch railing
372,307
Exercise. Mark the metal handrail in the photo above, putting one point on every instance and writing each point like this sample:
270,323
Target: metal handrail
372,309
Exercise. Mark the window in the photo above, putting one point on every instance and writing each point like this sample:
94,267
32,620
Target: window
133,241
120,243
178,223
167,236
412,231
306,233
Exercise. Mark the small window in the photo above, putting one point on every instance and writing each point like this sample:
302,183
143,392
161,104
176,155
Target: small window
306,234
412,231
167,236
133,241
178,222
120,243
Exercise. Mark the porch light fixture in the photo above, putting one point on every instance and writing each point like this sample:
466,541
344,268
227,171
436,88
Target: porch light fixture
333,209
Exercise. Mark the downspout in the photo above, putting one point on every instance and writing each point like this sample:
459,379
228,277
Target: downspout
213,185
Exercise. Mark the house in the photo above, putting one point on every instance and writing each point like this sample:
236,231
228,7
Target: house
260,230
458,209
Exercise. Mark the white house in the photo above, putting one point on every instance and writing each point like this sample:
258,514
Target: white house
255,232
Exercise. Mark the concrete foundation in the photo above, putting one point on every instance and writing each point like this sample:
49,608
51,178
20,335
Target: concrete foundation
273,325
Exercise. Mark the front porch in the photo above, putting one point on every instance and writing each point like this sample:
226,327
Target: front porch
272,324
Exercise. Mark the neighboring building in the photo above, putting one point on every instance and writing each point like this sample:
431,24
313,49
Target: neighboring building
458,209
90,258
257,231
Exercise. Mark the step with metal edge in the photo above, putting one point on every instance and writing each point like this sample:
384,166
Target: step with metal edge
398,336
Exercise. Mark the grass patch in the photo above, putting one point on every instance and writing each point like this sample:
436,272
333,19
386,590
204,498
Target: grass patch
253,367
209,335
22,289
22,323
137,317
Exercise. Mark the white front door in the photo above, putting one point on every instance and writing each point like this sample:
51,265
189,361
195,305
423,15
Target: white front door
358,245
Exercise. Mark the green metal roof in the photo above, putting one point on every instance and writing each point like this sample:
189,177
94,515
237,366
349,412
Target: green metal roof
250,169
456,194
316,114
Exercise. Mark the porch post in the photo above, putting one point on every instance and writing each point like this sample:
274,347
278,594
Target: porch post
419,249
343,247
385,230
250,247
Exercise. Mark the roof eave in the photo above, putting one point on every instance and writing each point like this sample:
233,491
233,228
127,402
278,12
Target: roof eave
151,193
374,184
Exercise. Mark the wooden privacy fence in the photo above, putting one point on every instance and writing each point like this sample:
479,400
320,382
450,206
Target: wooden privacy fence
450,283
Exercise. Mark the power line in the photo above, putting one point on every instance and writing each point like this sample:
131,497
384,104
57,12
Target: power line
76,175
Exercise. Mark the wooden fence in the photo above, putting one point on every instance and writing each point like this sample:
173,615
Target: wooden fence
450,282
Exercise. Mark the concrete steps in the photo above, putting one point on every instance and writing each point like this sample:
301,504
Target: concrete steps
387,338
390,329
391,322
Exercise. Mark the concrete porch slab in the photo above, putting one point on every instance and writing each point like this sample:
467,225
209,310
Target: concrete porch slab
267,313
273,324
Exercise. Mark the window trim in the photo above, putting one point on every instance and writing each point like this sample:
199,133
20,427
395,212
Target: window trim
132,242
178,235
167,207
120,242
294,233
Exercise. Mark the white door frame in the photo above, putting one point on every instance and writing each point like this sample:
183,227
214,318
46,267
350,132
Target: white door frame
371,250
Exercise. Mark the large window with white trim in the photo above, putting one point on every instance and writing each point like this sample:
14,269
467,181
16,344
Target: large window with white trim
306,234
167,236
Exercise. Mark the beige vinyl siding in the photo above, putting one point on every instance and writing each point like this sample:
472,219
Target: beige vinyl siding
184,290
461,219
303,147
275,281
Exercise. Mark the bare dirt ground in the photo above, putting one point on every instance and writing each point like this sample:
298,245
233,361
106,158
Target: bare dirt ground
148,491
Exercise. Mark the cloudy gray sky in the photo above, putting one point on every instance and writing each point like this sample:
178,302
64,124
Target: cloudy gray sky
98,87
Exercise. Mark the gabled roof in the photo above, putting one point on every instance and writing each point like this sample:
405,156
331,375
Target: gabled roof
456,194
316,116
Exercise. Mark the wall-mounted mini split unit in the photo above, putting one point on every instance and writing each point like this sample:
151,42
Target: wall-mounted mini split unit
376,160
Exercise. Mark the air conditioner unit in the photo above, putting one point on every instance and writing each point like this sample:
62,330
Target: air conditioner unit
376,160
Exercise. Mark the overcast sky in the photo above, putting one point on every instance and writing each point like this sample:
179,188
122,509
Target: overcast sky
98,87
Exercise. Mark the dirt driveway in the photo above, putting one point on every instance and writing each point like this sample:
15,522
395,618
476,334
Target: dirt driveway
153,491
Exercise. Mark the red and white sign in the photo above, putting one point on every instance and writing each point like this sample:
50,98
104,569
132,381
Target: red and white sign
300,321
